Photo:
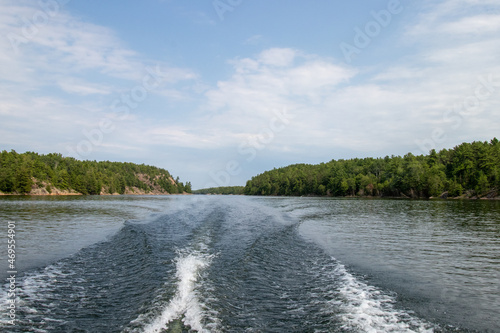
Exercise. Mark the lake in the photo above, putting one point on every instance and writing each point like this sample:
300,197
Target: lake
250,264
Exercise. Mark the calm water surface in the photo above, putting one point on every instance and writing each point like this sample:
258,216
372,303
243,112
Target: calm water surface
250,264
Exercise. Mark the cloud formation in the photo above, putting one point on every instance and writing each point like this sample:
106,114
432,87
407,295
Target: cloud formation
64,76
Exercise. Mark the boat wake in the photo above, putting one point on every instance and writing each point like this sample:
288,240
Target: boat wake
364,308
186,303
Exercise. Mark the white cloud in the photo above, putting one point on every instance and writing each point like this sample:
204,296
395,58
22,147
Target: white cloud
244,102
445,21
335,109
48,74
45,90
79,87
279,57
239,108
473,25
254,40
63,47
392,106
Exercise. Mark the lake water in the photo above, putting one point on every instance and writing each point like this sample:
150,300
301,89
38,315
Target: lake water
250,264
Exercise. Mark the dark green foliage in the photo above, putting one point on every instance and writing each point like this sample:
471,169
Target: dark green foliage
18,171
473,167
238,190
23,179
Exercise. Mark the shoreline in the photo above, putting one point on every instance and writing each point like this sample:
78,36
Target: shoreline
81,194
355,197
67,193
42,191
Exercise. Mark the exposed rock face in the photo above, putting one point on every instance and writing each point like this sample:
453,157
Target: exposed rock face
492,194
44,188
137,191
48,189
146,179
54,191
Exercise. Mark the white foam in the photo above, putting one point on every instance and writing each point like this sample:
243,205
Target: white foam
367,309
33,290
186,302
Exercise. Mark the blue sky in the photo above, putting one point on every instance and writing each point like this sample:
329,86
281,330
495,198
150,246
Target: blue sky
219,91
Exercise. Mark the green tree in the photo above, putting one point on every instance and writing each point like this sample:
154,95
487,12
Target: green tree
23,180
467,167
482,184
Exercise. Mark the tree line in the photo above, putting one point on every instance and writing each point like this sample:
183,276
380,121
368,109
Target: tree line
237,190
20,173
469,169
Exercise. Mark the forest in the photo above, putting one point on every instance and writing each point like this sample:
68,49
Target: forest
226,190
468,170
26,172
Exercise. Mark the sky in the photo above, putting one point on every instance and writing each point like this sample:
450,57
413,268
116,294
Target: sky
218,91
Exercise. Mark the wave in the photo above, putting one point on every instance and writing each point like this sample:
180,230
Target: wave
186,304
35,298
104,284
368,309
208,268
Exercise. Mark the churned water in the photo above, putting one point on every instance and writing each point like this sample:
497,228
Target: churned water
249,264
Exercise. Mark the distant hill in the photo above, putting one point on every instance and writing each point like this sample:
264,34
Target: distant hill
32,173
469,170
222,190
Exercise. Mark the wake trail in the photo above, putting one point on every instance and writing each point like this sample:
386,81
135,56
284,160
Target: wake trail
186,303
189,305
367,309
